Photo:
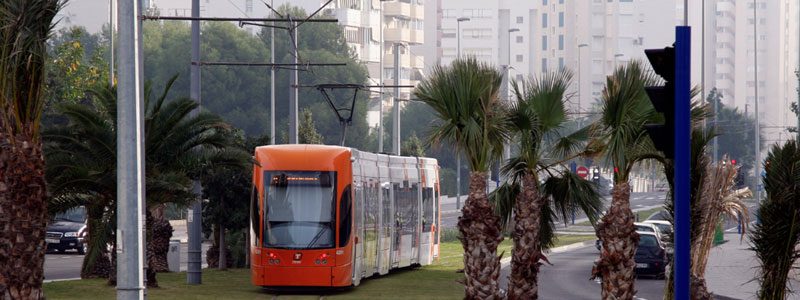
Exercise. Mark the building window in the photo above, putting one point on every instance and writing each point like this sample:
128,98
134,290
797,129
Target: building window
519,20
544,65
520,77
544,20
519,57
561,19
560,1
544,2
544,42
560,42
519,39
560,62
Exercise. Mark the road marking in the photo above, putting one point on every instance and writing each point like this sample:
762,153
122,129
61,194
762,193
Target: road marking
63,279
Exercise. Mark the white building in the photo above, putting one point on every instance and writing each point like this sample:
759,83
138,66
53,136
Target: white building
546,34
399,24
730,62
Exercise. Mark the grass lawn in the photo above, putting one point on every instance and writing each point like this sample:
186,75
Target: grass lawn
437,281
639,215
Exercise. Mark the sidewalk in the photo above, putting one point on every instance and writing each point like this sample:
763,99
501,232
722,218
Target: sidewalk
732,268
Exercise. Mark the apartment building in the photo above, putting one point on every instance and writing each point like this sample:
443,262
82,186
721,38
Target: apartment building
735,29
532,37
376,30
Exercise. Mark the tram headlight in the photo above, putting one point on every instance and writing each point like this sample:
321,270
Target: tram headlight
273,259
322,259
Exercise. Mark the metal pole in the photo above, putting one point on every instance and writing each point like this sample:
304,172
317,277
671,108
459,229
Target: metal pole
396,106
194,224
293,91
757,170
130,158
272,82
380,93
111,40
682,133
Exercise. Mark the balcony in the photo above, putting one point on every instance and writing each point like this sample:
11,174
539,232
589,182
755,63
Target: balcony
397,8
404,35
388,60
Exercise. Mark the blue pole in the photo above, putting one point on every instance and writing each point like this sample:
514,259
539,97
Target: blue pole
682,163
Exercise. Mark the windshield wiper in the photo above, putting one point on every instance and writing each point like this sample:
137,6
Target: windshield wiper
316,237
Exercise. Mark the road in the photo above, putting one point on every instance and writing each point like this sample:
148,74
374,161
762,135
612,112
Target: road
61,266
568,278
638,200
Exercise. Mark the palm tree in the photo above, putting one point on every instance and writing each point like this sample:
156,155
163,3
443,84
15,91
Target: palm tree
776,235
179,148
539,118
464,97
620,129
25,26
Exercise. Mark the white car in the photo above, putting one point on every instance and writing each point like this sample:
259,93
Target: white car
666,230
649,227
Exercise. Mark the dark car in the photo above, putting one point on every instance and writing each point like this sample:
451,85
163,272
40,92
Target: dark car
651,256
67,231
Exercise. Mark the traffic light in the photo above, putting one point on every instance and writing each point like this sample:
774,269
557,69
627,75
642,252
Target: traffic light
663,99
733,162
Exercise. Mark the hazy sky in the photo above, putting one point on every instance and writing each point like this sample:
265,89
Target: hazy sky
92,14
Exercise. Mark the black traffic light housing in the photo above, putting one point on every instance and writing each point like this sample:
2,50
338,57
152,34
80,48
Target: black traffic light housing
663,99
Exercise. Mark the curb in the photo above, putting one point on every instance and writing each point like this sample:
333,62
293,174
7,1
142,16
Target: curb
505,262
63,279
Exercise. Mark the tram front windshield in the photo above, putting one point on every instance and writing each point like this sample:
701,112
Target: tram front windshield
300,211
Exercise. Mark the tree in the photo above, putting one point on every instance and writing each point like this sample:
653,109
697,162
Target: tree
179,149
775,237
620,131
77,65
538,117
735,132
306,131
412,146
469,116
25,24
228,189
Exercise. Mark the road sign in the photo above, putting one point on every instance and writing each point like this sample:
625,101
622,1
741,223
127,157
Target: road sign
582,171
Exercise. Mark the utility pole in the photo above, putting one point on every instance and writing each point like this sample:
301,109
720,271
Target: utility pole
396,107
111,40
194,222
757,165
380,90
293,81
458,154
272,80
130,157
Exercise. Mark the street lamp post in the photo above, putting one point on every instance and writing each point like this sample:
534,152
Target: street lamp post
458,155
507,76
579,77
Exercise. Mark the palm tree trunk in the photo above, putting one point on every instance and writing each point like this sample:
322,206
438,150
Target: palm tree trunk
95,261
480,235
222,247
619,238
523,282
23,218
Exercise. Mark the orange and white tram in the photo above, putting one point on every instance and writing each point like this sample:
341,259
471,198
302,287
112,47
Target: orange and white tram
328,216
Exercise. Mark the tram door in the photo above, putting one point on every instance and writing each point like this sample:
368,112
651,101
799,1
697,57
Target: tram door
358,248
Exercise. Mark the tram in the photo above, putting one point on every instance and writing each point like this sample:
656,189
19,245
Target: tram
329,216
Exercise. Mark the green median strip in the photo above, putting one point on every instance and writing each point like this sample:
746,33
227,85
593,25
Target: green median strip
437,281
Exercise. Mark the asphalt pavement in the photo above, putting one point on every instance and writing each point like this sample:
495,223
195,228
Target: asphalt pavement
638,201
568,278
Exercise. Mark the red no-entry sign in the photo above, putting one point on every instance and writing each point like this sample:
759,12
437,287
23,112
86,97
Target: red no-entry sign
582,171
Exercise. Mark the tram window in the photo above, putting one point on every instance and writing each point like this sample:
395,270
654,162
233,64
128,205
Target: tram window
299,209
345,217
427,208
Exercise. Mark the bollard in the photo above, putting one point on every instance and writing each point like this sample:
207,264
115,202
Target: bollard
174,256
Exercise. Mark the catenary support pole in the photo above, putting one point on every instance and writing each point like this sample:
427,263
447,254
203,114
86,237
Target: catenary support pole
293,91
272,82
396,106
130,157
194,224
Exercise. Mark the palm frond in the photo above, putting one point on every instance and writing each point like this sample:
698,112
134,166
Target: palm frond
570,194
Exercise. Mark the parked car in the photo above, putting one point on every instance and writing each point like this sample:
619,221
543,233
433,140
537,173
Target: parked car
651,255
67,231
661,215
648,227
667,232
